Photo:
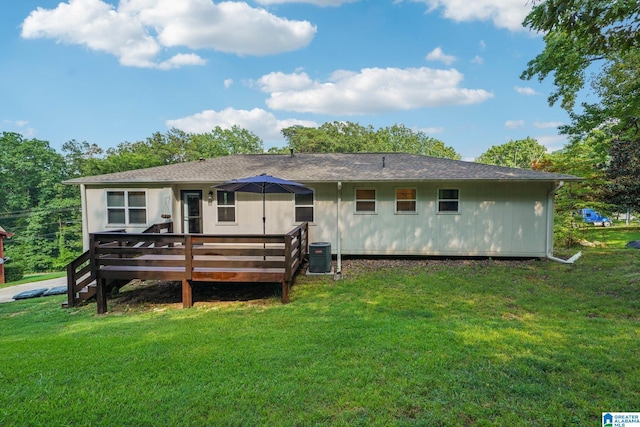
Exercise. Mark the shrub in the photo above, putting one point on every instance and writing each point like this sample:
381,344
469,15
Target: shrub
13,272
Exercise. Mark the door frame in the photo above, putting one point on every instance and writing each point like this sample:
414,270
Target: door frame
185,214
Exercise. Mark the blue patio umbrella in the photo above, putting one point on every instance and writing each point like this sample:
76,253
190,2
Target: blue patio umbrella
263,184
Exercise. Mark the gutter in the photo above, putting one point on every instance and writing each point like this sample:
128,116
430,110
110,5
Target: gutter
549,238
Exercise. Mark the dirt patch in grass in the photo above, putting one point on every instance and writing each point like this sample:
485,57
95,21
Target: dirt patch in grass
357,266
156,293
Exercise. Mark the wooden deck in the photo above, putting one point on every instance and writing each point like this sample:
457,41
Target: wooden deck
118,257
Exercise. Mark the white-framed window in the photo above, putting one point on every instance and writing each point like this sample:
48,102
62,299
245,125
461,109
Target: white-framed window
226,206
406,200
448,200
304,205
366,200
126,207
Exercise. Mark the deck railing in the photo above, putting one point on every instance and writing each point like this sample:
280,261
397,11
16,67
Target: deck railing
158,255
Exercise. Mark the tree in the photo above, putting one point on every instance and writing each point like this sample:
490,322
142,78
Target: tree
583,157
577,34
587,33
174,146
335,137
223,142
35,202
399,138
347,137
522,153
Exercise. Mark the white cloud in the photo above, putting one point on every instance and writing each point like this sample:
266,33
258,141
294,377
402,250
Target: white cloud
20,126
228,83
372,90
432,130
525,90
513,124
507,14
181,59
438,55
137,31
547,125
262,123
322,3
552,142
478,60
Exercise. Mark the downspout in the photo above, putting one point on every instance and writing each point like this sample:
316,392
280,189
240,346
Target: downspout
549,238
85,217
338,274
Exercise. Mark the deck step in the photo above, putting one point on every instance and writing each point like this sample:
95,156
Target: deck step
88,291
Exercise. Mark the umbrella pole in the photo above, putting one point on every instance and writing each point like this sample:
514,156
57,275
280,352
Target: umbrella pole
264,225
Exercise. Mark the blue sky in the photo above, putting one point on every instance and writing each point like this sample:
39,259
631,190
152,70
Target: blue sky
111,71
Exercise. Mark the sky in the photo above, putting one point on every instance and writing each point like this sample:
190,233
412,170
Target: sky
111,71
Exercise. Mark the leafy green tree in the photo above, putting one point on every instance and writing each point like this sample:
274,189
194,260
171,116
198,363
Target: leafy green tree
36,202
577,34
223,142
595,42
335,137
30,172
347,137
174,146
522,153
81,157
398,138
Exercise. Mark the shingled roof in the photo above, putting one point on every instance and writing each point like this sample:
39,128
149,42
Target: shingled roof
330,167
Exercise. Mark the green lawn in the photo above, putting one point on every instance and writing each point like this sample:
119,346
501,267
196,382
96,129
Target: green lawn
485,342
615,237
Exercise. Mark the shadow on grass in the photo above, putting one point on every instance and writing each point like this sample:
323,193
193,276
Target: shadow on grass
144,293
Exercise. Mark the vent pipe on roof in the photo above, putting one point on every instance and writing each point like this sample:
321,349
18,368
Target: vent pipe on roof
291,151
383,162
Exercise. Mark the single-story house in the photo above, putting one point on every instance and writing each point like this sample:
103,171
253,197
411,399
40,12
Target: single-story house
389,204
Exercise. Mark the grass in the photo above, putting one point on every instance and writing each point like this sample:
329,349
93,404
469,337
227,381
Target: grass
429,343
36,277
616,236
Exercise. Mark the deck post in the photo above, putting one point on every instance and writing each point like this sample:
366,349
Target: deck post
101,295
187,294
71,283
286,286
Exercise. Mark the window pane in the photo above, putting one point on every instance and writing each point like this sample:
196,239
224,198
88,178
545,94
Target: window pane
304,199
365,206
137,216
406,206
115,216
115,199
448,206
304,214
405,194
365,194
193,225
226,198
137,199
226,214
448,194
